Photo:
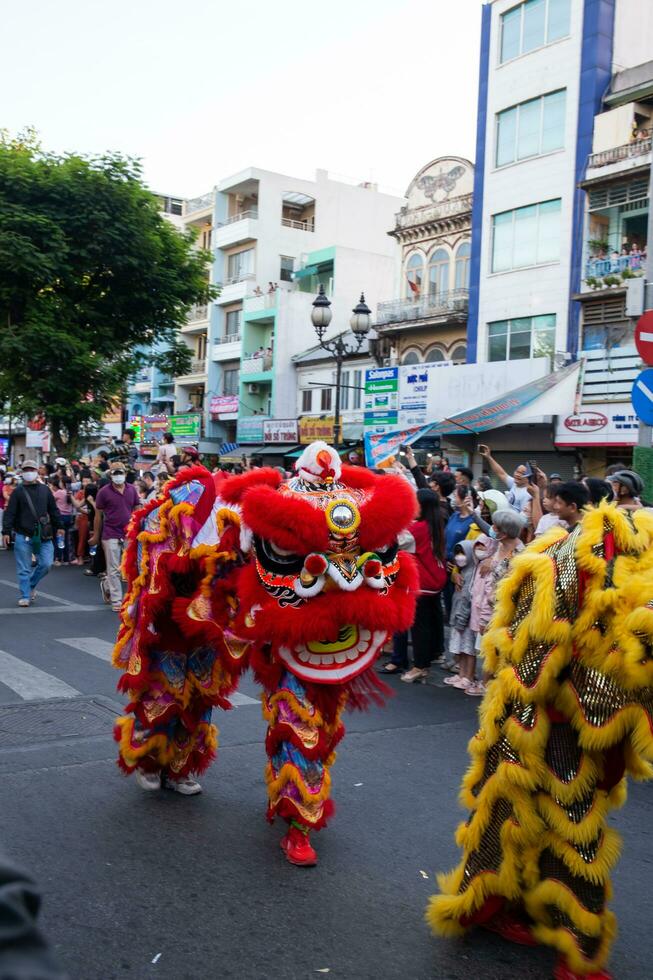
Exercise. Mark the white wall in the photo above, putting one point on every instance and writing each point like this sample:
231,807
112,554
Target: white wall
633,34
544,289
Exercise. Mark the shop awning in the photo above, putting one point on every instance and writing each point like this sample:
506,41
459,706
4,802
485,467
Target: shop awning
554,394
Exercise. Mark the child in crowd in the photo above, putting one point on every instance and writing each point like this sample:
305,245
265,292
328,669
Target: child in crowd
483,592
461,637
549,519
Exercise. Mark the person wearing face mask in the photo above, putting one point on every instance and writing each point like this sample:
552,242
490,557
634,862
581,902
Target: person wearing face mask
33,515
114,506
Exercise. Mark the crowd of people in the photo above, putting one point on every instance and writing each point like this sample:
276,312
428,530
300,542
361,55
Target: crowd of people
467,533
464,540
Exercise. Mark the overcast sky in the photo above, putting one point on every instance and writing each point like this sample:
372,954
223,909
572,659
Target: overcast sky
200,89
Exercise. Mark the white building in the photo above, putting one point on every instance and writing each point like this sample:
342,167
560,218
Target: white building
276,239
545,66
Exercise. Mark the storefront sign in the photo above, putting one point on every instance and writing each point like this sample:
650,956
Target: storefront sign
223,405
187,427
4,447
280,430
601,424
250,430
312,427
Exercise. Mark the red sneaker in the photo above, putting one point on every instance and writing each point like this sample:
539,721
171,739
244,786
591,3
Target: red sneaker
563,972
297,848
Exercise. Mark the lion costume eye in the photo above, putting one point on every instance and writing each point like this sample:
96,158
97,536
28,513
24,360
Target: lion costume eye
276,559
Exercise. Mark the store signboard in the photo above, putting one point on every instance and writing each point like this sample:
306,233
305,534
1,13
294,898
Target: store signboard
223,405
250,430
419,394
280,431
186,427
312,427
4,447
600,424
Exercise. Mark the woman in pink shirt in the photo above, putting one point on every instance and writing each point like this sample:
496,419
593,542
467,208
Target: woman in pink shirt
64,501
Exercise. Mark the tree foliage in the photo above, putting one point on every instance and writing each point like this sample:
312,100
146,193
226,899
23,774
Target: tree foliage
93,280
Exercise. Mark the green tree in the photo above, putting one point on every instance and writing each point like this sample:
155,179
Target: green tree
94,283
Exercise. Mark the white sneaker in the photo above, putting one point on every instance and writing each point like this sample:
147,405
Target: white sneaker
23,602
186,786
451,681
461,683
148,780
32,597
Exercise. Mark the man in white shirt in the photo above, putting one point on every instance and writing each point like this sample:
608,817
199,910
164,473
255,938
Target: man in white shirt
517,494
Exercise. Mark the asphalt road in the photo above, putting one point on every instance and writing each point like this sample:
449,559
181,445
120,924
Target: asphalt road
181,889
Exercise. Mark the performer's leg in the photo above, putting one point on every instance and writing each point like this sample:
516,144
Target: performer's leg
300,745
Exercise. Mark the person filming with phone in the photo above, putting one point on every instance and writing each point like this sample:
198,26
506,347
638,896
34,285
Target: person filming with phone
518,494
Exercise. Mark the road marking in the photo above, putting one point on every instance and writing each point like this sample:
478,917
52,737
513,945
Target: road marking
90,644
46,595
645,388
103,651
50,610
30,683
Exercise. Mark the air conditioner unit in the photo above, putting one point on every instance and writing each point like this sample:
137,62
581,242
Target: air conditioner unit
253,388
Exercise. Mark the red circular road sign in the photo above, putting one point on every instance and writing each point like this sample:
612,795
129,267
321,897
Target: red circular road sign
644,337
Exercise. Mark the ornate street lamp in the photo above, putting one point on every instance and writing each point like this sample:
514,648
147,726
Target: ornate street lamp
360,326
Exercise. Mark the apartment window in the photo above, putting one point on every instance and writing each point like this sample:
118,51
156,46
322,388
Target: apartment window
202,344
307,400
230,381
531,128
286,268
240,264
438,273
325,399
414,275
411,357
459,354
521,338
233,321
533,24
463,258
433,355
344,390
357,390
526,236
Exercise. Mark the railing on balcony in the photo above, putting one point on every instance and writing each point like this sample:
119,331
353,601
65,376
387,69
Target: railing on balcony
614,266
453,302
230,338
198,311
251,213
636,148
238,277
300,225
198,203
256,364
142,376
197,366
609,373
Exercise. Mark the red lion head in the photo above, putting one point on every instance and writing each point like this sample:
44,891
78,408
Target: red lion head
326,583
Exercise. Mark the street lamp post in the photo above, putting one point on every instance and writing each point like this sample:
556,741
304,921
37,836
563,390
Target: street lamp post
360,325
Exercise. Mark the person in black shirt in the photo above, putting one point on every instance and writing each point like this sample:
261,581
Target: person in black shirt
33,515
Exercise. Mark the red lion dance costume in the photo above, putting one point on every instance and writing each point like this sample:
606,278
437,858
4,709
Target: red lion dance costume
568,714
302,581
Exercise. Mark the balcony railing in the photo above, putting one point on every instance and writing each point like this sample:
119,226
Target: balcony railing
239,277
300,225
453,302
613,266
197,366
198,311
254,365
230,338
199,203
251,213
615,154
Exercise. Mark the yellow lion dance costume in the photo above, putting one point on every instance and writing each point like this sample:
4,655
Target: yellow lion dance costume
568,714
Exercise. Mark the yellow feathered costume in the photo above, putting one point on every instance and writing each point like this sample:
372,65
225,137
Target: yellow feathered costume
568,713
